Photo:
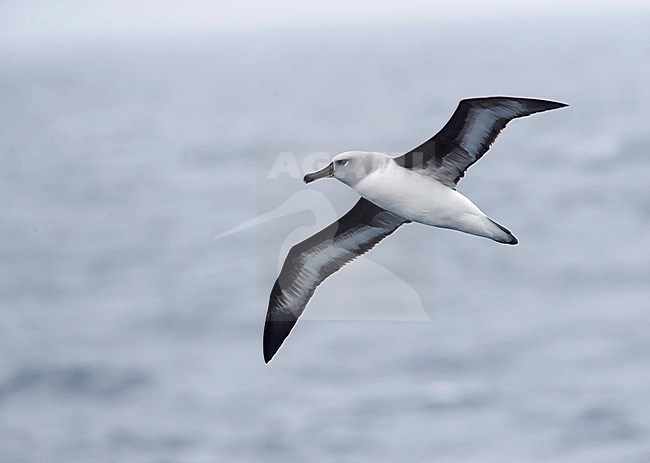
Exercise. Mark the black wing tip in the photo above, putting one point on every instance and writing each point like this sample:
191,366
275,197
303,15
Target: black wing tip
275,332
534,104
543,105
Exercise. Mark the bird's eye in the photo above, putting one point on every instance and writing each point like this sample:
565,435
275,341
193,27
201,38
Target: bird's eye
343,162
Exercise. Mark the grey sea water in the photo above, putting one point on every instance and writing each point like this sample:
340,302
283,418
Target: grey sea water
130,334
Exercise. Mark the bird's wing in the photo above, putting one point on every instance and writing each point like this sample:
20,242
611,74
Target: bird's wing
314,259
467,136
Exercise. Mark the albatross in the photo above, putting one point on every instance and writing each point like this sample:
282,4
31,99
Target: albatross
419,186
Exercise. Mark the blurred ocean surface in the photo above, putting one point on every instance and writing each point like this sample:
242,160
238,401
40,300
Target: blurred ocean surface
130,334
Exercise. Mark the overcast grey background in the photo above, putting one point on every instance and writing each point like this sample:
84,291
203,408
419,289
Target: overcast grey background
133,134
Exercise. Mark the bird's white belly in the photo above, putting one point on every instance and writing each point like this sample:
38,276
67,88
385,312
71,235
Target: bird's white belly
419,198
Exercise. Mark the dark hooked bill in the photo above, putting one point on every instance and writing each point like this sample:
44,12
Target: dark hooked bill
327,171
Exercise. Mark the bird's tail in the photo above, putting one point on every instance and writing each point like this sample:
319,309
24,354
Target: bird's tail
503,235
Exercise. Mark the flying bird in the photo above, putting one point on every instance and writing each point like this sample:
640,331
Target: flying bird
419,186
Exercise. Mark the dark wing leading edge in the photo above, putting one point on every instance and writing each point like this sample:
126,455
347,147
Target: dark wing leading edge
314,259
467,136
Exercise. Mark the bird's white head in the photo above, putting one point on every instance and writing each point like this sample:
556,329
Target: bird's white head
350,166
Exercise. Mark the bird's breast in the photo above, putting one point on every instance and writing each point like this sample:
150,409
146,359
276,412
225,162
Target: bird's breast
415,196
